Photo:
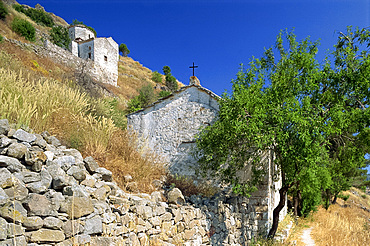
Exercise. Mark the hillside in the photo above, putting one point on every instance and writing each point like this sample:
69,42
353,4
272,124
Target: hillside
132,75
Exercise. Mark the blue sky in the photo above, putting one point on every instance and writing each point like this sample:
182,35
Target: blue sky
217,35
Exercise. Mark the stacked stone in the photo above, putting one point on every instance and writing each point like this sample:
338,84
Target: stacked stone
50,195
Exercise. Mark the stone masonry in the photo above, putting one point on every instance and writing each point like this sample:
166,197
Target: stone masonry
51,195
169,127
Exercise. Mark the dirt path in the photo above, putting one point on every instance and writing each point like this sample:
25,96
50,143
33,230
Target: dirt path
306,237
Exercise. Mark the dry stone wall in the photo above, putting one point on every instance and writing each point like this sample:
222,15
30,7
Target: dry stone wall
51,195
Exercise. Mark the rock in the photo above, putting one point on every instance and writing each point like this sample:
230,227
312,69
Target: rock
127,178
12,164
132,187
93,226
106,174
53,223
35,159
53,141
90,164
72,228
175,196
29,177
77,207
75,190
75,153
17,150
156,196
19,241
4,126
13,211
49,155
14,230
33,223
65,162
60,179
24,136
18,190
101,193
42,185
40,141
5,141
6,178
89,181
3,228
38,205
3,197
77,173
47,235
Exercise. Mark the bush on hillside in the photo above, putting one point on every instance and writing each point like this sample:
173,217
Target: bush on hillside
24,28
59,36
146,96
37,15
124,50
3,11
164,94
171,82
156,77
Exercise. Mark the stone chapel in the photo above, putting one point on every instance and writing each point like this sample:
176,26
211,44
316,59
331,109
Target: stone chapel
169,126
102,51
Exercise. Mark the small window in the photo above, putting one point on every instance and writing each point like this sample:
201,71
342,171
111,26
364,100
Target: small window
89,55
89,47
105,58
89,36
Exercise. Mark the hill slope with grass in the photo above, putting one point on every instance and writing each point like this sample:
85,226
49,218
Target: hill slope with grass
39,93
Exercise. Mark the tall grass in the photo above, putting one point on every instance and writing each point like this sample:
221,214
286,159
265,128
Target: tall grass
71,115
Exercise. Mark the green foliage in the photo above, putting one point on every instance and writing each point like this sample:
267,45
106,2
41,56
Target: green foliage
124,50
166,70
1,39
76,22
313,117
111,108
146,96
59,36
37,15
24,28
18,8
157,77
164,94
171,82
3,11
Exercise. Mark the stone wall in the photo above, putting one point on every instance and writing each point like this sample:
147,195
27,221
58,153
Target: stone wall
50,195
169,126
80,31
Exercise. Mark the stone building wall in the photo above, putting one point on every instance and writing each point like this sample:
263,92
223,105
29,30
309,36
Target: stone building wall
169,126
80,31
51,195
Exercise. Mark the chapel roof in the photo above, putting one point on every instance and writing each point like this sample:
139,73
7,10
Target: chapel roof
199,87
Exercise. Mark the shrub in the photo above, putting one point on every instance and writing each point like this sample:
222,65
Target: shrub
146,96
19,8
59,36
171,82
166,70
24,28
123,48
164,94
1,38
156,77
3,11
37,15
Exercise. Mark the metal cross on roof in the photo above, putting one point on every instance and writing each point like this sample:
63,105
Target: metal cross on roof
193,67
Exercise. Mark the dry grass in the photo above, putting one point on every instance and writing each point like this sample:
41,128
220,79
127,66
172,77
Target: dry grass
344,223
188,187
64,111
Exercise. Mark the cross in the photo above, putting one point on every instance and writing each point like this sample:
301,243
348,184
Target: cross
193,67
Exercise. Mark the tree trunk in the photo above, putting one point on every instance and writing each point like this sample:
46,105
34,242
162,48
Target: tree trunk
335,199
275,214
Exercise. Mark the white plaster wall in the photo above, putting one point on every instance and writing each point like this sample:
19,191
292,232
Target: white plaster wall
169,127
74,48
106,47
85,48
80,32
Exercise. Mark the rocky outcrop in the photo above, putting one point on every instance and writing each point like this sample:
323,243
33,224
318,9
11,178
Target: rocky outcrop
50,195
